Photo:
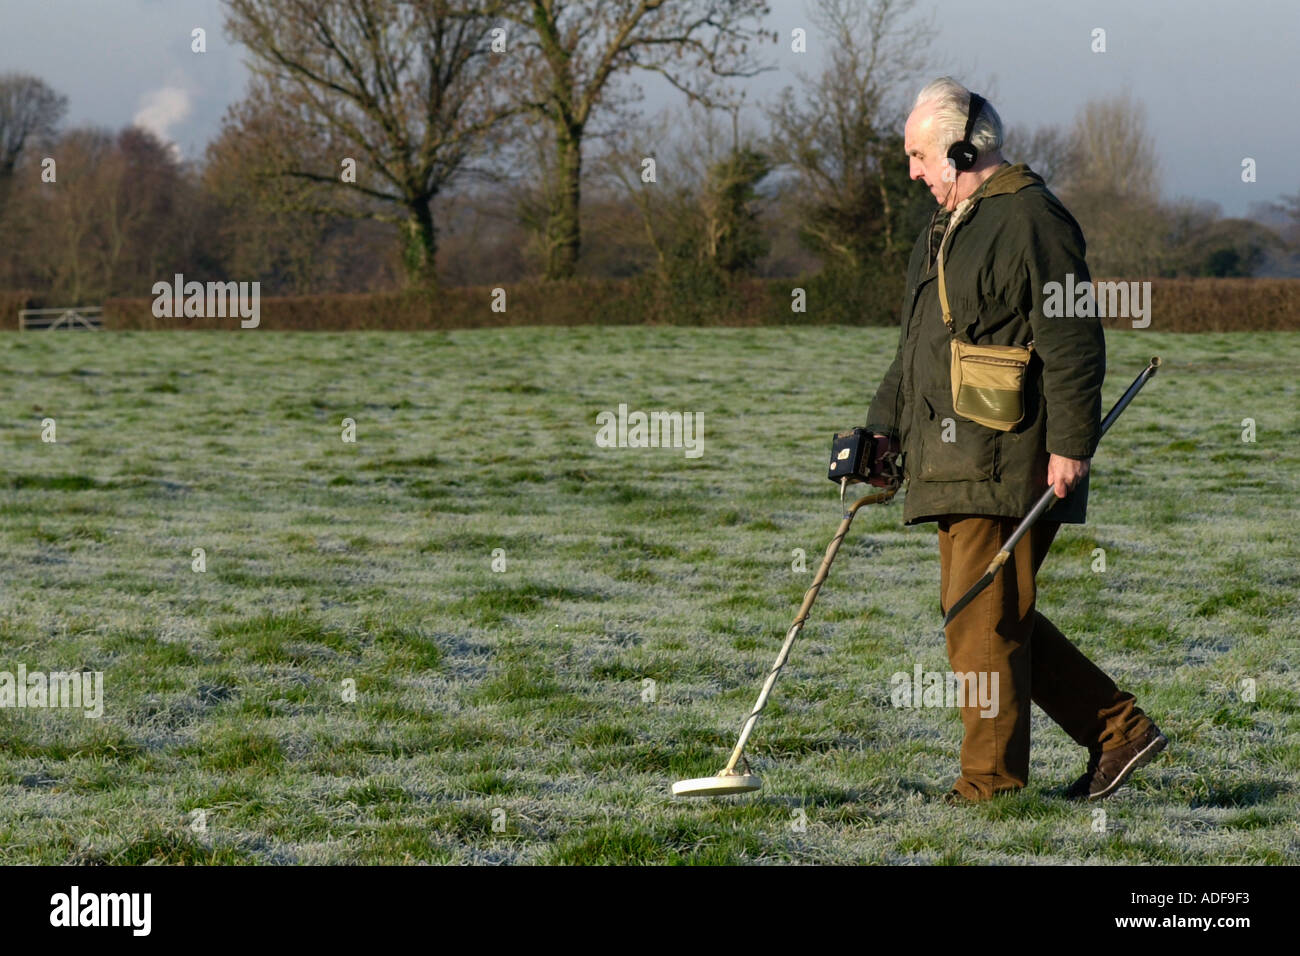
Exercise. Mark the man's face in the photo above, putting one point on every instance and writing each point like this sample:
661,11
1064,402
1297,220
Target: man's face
925,161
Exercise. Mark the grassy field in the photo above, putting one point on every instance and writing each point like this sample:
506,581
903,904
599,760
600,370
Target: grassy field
501,716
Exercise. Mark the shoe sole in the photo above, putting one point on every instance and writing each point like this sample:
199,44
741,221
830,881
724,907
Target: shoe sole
1140,759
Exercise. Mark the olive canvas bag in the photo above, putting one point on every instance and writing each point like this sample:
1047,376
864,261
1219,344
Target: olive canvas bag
988,381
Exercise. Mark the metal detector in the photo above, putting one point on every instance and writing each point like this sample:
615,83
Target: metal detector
729,779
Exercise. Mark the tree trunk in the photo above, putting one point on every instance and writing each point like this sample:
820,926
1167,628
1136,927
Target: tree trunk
563,232
420,246
888,210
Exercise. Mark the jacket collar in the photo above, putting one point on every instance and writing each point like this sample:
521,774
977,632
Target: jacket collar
1007,179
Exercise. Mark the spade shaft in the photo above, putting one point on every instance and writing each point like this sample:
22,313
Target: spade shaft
1045,501
799,620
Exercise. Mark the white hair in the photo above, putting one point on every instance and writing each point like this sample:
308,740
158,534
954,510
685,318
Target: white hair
952,105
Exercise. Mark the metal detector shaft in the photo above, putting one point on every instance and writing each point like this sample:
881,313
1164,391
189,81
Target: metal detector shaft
1045,502
799,620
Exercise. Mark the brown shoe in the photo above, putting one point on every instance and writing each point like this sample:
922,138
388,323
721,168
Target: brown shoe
1107,771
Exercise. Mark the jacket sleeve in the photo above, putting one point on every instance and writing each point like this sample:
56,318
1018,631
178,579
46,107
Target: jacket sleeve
1072,348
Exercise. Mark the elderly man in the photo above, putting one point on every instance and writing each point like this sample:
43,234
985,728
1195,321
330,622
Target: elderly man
977,275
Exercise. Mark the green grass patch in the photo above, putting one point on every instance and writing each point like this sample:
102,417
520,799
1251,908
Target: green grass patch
516,685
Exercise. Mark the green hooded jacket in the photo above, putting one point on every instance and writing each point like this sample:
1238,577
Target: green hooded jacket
1014,238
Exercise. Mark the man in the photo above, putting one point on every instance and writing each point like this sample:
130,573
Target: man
1002,237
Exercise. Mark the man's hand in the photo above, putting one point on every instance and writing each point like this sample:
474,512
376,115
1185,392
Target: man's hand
883,468
1064,473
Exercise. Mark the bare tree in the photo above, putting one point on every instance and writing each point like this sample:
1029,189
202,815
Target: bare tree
68,244
289,233
112,221
840,139
530,196
1113,191
659,204
29,110
573,51
409,89
702,207
1114,151
1047,150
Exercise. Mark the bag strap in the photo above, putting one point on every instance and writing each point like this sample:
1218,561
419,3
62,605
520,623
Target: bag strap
943,287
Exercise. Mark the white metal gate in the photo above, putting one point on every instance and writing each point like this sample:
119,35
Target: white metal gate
71,318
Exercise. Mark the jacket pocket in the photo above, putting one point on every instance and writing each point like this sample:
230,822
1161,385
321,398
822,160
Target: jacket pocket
953,449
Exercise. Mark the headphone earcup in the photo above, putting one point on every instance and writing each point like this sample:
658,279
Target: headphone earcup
963,155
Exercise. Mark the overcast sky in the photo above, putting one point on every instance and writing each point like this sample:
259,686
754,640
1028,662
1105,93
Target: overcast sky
1218,79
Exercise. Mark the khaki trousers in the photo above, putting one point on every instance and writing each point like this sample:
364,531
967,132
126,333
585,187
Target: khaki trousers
1001,632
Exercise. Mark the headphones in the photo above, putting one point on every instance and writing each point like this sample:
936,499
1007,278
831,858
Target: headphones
963,153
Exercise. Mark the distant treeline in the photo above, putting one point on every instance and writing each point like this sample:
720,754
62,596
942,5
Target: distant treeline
415,148
1177,305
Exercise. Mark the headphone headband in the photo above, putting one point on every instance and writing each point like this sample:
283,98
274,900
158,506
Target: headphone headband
963,153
